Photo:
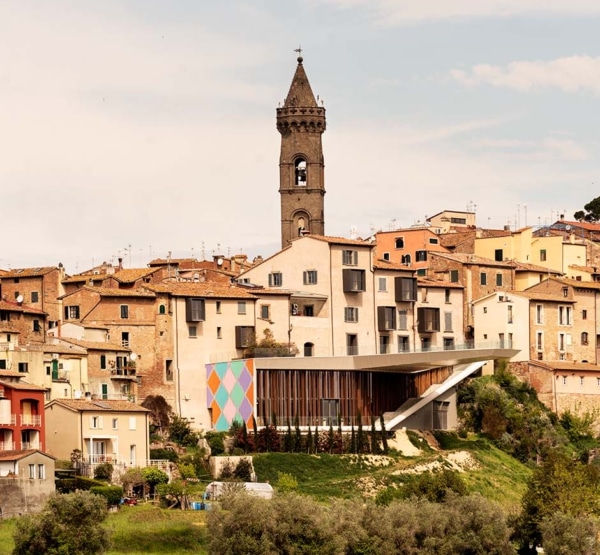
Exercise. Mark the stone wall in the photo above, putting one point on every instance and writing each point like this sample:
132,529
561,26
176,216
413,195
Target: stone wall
19,496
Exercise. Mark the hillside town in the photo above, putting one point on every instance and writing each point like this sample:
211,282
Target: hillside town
322,330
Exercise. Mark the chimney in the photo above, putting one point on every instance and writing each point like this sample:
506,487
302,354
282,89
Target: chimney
120,263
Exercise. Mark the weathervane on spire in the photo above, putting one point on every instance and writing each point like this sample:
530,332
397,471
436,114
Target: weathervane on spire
299,51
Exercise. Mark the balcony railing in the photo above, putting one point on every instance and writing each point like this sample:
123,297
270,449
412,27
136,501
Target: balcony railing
116,397
8,420
31,420
31,445
6,445
123,372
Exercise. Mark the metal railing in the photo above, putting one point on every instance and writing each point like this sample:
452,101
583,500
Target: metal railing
123,371
6,445
31,445
31,420
8,420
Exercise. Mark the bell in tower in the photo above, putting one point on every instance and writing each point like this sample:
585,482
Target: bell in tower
301,123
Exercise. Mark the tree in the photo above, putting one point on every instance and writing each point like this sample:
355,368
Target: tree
153,477
568,535
70,524
160,412
591,212
268,346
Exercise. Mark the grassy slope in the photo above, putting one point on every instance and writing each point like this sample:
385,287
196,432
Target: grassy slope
145,529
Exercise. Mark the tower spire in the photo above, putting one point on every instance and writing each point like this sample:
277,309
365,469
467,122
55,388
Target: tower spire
301,123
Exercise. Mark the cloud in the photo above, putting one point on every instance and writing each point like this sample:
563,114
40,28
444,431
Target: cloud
570,74
546,149
399,12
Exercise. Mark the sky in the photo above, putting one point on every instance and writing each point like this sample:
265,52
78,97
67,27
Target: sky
139,128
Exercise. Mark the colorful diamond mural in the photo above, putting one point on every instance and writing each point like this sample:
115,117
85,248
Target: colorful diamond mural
230,392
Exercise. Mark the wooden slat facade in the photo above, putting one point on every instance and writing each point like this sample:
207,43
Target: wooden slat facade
287,393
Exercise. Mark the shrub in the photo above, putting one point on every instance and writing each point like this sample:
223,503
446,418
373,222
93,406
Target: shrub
215,442
68,485
113,494
569,535
286,482
243,470
103,472
164,454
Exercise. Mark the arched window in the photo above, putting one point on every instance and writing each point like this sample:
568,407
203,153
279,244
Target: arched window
300,172
584,337
162,309
308,349
406,259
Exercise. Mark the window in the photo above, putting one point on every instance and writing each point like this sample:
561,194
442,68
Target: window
581,380
406,289
405,259
132,423
483,278
300,172
349,258
510,341
386,318
584,314
192,331
124,339
399,242
498,255
564,315
384,344
36,326
539,314
162,309
542,255
539,341
264,311
350,314
421,256
382,284
402,319
35,297
499,280
275,279
354,280
501,340
351,344
564,380
115,423
124,311
598,382
32,471
194,310
509,313
386,255
168,370
584,338
403,344
95,422
71,312
218,307
41,472
102,362
424,294
447,296
309,349
309,310
447,321
428,319
565,291
485,309
433,241
23,367
561,342
219,332
309,277
454,276
448,343
425,344
241,307
3,364
244,335
462,221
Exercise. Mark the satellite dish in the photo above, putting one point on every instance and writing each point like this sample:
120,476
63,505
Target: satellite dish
568,227
133,356
20,299
220,262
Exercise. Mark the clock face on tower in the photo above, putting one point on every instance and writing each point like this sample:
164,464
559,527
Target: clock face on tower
301,123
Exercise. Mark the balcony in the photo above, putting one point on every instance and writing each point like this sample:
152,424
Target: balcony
25,445
6,445
31,420
124,373
8,419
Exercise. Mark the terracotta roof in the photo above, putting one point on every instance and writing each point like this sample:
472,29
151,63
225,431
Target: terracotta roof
11,306
588,269
17,455
472,259
579,284
96,345
203,289
550,297
133,274
110,292
589,226
86,405
260,291
62,349
565,365
172,261
10,374
526,267
23,386
81,278
339,240
424,282
380,264
28,272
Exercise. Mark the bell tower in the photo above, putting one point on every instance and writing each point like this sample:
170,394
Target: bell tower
301,122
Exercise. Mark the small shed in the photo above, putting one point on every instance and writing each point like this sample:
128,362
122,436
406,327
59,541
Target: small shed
261,489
